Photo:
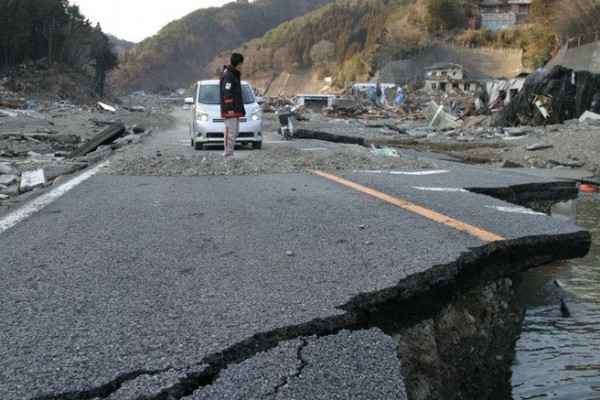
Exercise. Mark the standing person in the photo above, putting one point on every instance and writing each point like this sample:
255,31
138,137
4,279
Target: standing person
232,102
378,94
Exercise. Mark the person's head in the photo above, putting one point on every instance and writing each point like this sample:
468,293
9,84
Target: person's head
236,60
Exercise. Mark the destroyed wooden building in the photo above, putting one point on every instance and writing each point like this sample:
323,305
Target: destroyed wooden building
503,91
552,97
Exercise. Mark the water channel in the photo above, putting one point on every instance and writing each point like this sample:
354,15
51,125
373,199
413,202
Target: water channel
558,352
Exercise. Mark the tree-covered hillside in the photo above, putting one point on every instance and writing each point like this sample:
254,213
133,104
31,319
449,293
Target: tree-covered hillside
350,39
340,39
178,54
56,33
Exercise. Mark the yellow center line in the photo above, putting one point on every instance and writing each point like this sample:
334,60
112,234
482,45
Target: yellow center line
425,212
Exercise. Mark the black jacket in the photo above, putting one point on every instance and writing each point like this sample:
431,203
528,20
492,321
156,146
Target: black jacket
231,94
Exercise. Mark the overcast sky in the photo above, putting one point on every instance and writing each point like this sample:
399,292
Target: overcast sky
135,20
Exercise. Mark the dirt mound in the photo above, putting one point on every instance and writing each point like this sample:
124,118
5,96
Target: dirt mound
290,84
43,82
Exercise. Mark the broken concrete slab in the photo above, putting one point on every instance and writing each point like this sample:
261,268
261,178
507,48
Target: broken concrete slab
129,139
105,137
8,180
32,179
98,155
55,171
6,169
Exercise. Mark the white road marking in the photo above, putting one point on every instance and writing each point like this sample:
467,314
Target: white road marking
37,204
315,149
417,173
516,210
440,189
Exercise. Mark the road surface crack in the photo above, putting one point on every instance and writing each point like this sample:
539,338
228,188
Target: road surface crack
302,363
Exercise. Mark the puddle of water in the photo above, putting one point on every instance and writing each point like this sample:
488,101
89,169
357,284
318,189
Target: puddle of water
558,357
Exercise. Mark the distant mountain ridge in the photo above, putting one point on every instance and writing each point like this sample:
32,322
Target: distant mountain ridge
178,54
349,40
120,46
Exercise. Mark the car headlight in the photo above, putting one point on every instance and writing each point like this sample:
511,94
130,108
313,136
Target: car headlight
202,115
256,115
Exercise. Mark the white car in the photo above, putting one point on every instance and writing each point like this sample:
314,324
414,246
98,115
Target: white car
207,125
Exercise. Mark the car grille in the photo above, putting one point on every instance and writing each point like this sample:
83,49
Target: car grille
223,120
219,135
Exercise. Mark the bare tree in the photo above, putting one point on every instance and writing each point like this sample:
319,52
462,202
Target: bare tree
322,53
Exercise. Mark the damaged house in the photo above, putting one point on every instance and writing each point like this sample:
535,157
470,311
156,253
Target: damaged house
448,76
502,91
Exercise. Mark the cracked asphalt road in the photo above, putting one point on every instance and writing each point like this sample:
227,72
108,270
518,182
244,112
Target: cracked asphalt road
208,286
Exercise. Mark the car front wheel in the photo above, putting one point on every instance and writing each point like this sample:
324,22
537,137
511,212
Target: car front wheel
256,145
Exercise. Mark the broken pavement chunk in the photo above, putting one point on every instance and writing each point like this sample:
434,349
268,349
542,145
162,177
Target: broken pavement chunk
539,146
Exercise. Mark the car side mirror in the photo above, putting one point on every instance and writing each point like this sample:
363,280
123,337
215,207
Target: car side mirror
188,100
260,100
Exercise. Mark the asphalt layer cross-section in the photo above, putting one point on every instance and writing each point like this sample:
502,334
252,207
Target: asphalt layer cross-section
194,285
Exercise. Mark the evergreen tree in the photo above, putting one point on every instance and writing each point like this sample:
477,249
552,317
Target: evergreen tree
104,58
31,30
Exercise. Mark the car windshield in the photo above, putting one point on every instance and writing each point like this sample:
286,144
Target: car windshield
209,94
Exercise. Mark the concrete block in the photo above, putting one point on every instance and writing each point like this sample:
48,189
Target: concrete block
32,179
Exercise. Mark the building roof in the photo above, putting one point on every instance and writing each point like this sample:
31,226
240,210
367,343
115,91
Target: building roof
444,65
490,3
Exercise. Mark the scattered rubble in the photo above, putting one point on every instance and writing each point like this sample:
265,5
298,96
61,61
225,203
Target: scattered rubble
41,140
59,137
461,124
